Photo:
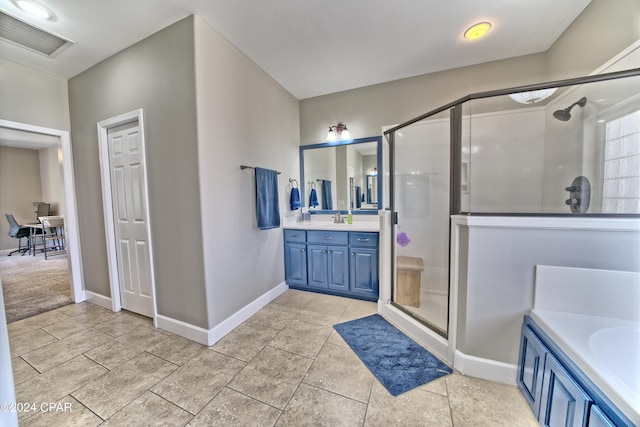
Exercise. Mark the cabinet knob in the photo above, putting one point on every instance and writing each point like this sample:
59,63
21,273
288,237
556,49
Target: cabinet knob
301,250
353,254
324,252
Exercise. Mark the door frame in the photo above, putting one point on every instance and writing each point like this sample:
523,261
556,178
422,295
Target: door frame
107,204
72,235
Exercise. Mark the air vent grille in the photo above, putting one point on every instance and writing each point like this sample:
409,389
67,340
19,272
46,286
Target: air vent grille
25,35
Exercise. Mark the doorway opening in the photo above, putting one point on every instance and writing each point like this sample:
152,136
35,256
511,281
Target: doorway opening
67,206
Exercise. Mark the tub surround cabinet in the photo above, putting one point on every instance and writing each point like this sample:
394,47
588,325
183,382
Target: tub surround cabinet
336,262
557,391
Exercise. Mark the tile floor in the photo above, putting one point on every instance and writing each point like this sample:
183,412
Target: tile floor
285,366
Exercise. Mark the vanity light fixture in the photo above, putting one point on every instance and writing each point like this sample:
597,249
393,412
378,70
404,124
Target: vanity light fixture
477,31
533,96
34,8
338,131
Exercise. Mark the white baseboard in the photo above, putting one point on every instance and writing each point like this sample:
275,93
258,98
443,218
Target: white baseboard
185,330
101,300
211,336
485,368
217,333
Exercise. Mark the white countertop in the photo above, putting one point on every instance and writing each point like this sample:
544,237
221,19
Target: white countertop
321,225
325,222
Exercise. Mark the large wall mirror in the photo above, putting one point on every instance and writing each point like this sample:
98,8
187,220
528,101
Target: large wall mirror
342,175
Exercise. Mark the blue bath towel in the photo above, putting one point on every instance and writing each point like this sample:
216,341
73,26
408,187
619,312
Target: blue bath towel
267,211
294,199
313,198
327,200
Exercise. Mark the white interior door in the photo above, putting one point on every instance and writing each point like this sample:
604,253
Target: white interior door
127,171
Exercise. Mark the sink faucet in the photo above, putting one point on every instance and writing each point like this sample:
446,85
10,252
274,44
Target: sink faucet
337,219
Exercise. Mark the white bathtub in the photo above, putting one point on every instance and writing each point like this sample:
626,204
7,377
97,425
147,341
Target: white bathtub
606,349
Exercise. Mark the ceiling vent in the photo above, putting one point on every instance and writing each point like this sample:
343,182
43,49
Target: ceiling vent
29,37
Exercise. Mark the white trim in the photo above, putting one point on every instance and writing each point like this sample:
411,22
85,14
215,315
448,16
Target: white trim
230,323
97,299
71,216
488,369
107,203
184,329
211,336
420,333
564,223
7,391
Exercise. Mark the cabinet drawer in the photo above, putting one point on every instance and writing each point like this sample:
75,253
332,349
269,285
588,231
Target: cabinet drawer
298,236
328,237
367,240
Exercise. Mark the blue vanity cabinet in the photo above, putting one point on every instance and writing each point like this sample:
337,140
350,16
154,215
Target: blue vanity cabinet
295,257
363,269
335,262
597,418
532,354
558,392
563,402
327,259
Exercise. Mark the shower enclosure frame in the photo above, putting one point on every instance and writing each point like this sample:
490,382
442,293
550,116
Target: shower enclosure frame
456,116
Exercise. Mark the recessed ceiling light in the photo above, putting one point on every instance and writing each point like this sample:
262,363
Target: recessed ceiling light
34,8
477,31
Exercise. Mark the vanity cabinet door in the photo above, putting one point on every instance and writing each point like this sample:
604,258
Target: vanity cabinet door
318,262
564,402
531,368
295,263
338,268
363,268
597,418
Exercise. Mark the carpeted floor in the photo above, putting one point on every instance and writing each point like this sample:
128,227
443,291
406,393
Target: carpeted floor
32,285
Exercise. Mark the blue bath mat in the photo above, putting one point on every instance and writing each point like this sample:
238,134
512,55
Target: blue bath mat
397,361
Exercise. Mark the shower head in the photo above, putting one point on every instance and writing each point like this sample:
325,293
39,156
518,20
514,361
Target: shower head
565,115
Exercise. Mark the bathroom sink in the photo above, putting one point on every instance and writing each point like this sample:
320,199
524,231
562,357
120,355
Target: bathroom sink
618,349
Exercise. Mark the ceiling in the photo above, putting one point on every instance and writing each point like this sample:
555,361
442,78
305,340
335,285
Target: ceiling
310,47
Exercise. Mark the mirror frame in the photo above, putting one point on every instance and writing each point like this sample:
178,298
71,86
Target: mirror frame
303,182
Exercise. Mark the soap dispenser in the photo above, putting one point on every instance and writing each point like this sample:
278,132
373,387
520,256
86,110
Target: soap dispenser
349,217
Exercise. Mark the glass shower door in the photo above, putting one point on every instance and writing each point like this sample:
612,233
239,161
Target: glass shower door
420,198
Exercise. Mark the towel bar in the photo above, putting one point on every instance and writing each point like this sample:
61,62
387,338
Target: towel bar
242,167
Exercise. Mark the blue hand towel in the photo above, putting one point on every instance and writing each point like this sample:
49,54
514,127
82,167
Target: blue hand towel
267,211
294,199
313,198
327,200
358,197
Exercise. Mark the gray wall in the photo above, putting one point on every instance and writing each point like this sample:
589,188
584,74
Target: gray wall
156,74
32,97
497,287
244,117
19,188
367,110
603,29
51,179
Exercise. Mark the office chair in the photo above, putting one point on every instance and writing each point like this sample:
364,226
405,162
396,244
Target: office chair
18,231
42,209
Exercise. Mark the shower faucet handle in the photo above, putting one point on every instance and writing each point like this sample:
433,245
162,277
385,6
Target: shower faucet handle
572,202
572,189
